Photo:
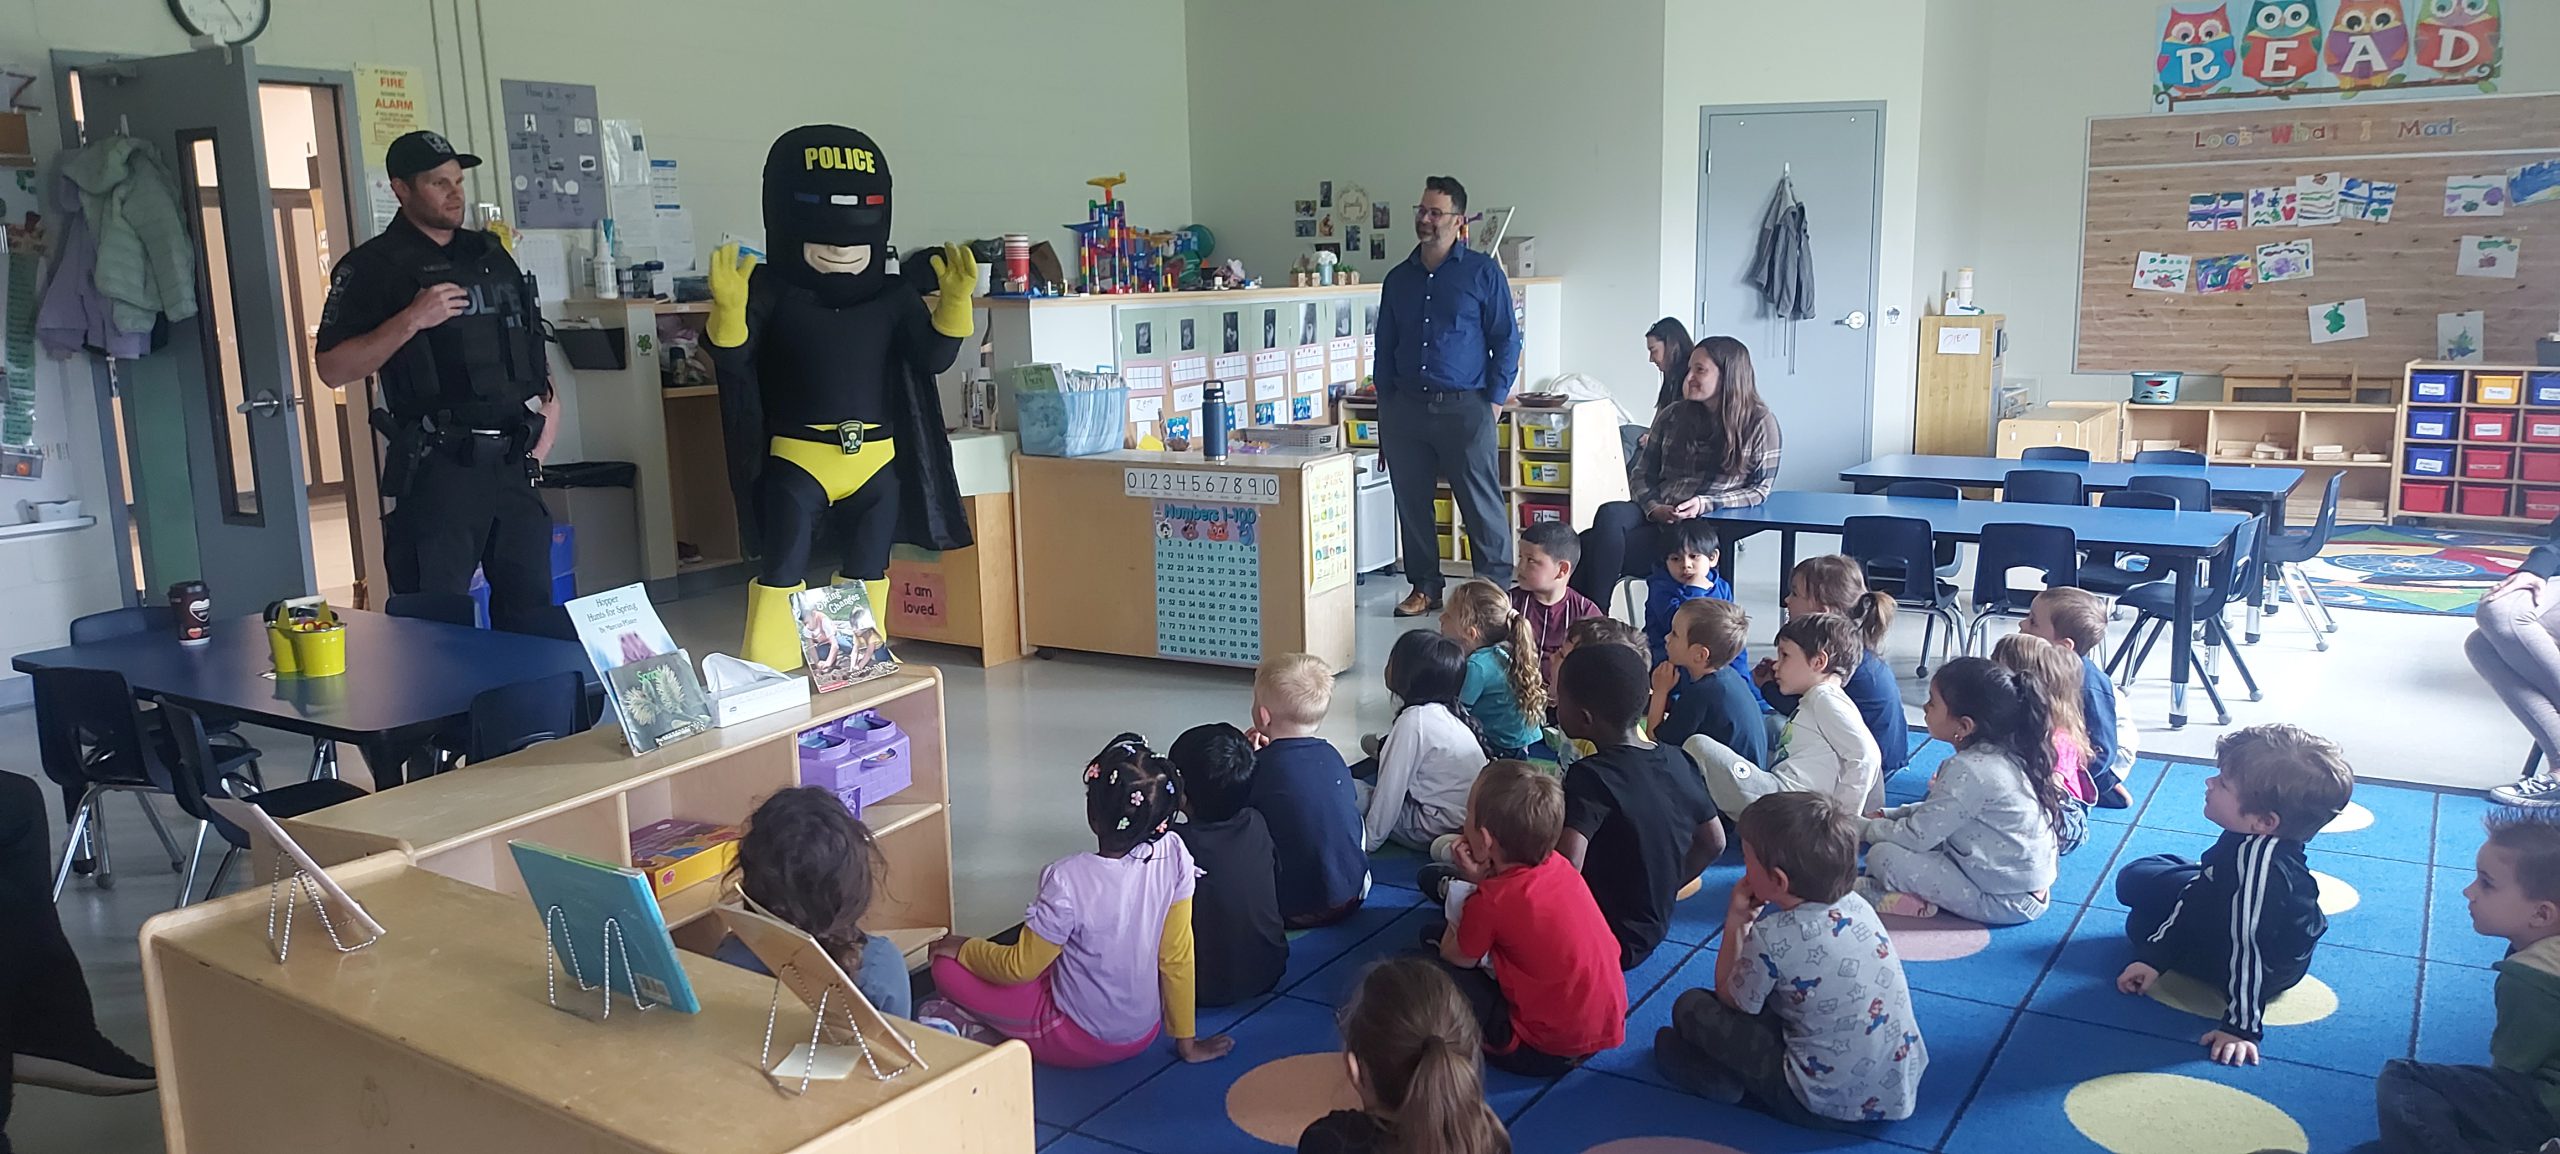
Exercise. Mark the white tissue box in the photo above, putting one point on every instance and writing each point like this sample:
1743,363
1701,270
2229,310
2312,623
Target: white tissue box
740,690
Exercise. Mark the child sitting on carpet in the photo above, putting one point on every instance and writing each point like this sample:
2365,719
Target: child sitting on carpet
1833,583
1413,1052
1543,593
805,859
1713,698
2245,919
1810,1019
1236,931
1637,820
2076,620
2056,670
1980,845
1304,793
1826,748
1415,787
1103,963
2513,1103
1503,689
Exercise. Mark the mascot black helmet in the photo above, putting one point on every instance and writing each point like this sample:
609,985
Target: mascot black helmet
826,187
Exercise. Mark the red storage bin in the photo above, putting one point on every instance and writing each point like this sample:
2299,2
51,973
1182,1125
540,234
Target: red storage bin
2488,464
1539,512
2542,428
2540,465
2539,504
2482,500
2426,497
2489,425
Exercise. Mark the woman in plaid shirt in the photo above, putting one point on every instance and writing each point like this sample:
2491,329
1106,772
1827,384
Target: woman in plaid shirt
1716,448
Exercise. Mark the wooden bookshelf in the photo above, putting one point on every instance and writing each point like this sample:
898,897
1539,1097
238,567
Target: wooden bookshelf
2204,426
2518,500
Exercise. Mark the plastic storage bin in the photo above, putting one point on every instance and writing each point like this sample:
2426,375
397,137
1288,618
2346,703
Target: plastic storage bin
2481,500
1542,512
862,759
2542,388
2539,465
2426,497
2541,428
2435,386
1444,510
2539,504
2426,461
2488,464
1546,474
2433,424
2496,388
2489,425
1072,422
1453,547
1544,432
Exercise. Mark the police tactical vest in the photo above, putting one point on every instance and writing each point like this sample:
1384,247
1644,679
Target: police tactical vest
490,354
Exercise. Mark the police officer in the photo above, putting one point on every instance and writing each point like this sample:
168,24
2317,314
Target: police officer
444,316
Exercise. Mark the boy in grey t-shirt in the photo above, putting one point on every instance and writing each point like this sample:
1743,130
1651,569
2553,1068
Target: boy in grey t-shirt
1810,1019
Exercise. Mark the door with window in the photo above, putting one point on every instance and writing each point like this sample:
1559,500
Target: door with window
230,367
1815,374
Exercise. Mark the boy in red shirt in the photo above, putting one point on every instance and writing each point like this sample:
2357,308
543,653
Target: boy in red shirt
1554,995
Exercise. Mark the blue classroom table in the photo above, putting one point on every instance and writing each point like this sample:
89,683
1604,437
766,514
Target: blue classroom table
2177,536
407,679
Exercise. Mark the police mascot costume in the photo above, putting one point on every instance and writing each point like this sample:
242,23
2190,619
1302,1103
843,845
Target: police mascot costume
826,367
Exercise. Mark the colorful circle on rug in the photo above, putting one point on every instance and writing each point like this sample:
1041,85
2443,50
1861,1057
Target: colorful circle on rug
2349,820
1661,1146
2145,1113
1943,938
2302,1005
1277,1099
2336,896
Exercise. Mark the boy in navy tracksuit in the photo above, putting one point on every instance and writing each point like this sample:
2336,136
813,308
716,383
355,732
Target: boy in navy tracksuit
2245,919
1688,572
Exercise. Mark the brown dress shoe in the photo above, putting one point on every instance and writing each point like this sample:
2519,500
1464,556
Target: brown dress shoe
1416,604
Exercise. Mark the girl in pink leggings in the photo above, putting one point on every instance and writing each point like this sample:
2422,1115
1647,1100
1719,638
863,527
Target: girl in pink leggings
1104,960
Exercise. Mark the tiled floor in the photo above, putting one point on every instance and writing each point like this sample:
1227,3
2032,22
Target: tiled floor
2394,690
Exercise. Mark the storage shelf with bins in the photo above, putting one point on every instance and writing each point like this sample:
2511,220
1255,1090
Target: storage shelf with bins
2478,443
2209,427
1556,464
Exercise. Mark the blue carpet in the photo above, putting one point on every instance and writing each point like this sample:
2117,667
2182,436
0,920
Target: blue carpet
2016,1018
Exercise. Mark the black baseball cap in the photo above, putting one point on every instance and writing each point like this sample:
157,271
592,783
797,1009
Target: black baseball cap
417,152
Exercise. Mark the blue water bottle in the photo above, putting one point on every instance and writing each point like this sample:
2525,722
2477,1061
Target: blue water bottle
1213,422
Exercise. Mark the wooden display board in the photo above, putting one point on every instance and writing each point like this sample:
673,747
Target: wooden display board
2142,169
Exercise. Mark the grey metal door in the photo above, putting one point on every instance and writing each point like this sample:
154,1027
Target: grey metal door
231,361
1818,375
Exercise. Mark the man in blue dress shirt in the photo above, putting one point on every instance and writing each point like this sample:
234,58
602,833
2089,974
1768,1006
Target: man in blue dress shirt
1448,354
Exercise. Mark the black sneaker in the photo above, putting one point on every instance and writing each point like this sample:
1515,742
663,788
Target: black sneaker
101,1070
2541,791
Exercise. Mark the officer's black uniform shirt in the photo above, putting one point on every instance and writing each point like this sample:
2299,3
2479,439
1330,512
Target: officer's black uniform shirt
372,284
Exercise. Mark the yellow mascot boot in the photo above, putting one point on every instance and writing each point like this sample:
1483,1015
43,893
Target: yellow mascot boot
877,592
773,633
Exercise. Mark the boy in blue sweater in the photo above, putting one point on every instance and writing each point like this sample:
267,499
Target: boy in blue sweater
1690,551
2076,620
1303,791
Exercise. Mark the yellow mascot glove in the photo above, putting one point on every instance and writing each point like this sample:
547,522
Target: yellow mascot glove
952,315
727,327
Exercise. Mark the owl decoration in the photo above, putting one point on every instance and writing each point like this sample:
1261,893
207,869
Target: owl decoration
2368,43
2282,45
2196,51
2458,37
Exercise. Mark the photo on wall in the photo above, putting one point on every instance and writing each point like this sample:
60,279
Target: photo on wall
1146,339
1271,328
1232,341
1377,247
1190,340
1307,323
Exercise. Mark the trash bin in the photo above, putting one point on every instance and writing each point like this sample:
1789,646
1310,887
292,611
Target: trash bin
597,502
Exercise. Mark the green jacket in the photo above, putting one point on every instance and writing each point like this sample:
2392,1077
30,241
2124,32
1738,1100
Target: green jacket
2527,1037
146,260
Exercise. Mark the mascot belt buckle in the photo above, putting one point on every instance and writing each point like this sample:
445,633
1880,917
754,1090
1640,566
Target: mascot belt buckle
849,437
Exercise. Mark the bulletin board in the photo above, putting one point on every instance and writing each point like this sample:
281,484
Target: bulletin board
2144,170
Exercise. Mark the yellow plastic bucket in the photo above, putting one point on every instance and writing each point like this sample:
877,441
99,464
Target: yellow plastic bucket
319,652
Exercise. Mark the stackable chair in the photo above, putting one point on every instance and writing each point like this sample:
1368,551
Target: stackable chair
1898,554
2226,583
2287,549
2053,550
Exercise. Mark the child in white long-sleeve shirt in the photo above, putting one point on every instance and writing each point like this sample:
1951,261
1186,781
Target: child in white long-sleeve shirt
1826,748
1416,788
1981,845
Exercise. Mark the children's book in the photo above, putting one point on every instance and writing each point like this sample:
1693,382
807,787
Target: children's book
659,700
588,894
618,627
840,636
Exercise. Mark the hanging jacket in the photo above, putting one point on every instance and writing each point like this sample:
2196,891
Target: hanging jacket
145,260
1782,265
75,315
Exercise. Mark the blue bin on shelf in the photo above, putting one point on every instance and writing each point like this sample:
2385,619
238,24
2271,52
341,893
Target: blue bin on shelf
564,572
2542,388
2434,424
2435,386
2427,461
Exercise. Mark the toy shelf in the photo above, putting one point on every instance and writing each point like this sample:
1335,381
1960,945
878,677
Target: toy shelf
2209,426
1558,463
2510,478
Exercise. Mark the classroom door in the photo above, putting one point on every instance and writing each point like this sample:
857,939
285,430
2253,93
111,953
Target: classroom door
1818,375
230,366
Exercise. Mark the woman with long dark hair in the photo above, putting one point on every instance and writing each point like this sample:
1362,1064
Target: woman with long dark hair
1717,447
1667,346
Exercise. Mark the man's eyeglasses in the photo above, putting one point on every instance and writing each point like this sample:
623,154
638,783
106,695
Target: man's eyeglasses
1429,214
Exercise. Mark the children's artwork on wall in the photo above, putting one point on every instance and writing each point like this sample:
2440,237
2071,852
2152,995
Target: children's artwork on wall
2162,272
2488,256
2535,183
2230,211
2273,207
2338,321
2319,198
2209,55
2226,274
2484,195
2200,211
2284,261
2462,337
2368,200
1378,246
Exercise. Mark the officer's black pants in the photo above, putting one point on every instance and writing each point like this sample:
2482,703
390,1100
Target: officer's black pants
479,513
